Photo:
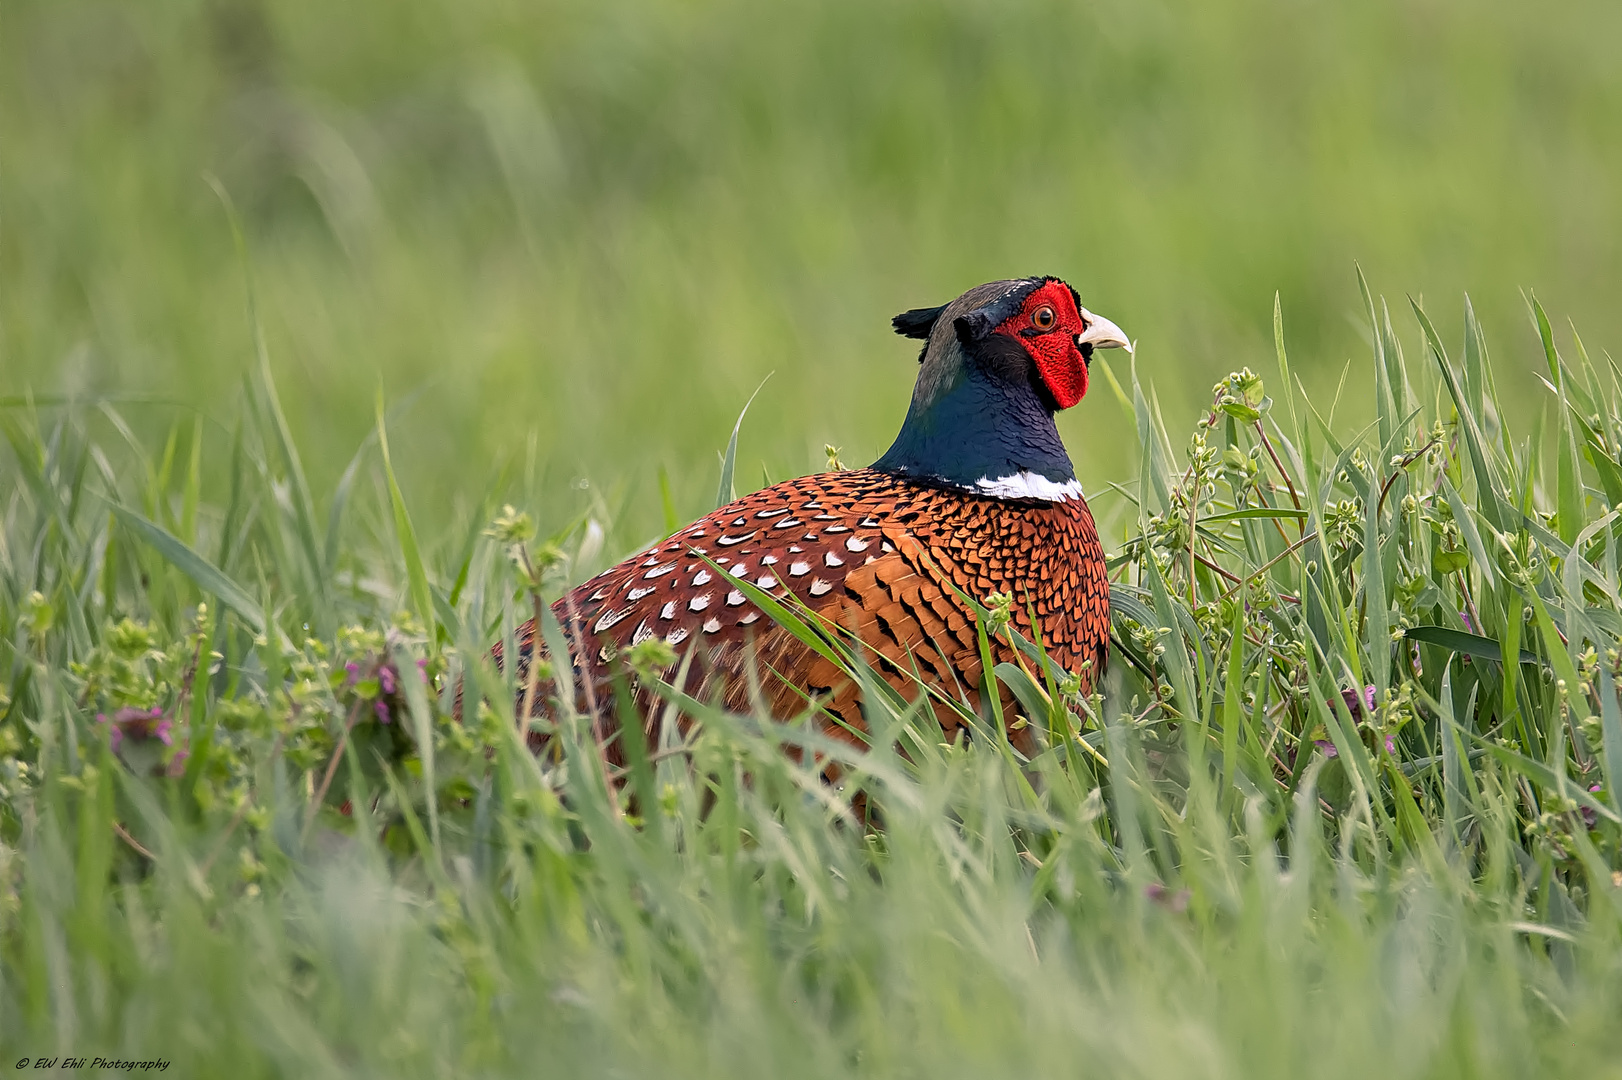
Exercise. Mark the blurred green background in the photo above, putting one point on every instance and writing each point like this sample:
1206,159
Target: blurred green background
576,236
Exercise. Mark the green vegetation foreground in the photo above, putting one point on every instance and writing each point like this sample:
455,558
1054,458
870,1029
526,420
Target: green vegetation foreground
1312,824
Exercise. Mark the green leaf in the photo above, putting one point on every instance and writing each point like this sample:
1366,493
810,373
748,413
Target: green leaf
303,505
1610,475
1467,529
1611,728
1546,335
672,522
1487,491
205,574
1569,476
1545,777
1475,370
1448,562
1152,476
1384,410
1124,603
340,500
1179,671
1455,763
1460,641
422,729
1284,364
421,598
729,461
1031,696
1396,371
1232,693
1377,611
1252,513
194,484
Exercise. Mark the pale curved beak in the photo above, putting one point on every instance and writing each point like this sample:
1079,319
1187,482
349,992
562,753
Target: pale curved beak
1101,333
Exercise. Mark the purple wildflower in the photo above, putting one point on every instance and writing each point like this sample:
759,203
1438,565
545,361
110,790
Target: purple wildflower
385,678
1329,750
138,724
381,708
1590,818
1361,707
1356,702
114,735
354,671
1166,898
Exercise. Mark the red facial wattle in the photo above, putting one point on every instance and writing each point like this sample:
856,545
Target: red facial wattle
1058,358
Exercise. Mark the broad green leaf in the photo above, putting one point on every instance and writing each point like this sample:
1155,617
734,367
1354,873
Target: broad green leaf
1460,641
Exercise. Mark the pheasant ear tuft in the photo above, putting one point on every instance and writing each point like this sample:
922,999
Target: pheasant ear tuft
976,324
973,326
918,322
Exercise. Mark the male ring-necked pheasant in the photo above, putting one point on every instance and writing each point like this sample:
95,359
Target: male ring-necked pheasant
977,494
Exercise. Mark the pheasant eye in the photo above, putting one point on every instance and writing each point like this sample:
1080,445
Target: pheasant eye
1044,318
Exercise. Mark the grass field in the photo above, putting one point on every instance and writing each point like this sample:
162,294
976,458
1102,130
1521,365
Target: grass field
292,305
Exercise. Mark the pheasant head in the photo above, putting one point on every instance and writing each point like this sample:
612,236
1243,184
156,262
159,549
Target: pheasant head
997,364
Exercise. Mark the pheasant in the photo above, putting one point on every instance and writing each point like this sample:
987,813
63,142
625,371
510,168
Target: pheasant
976,496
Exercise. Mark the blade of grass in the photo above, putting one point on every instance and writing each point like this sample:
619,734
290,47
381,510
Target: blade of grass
203,573
727,492
406,537
1487,489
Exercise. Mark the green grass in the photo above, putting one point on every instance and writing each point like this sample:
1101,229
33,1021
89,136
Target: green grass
296,300
1210,868
573,236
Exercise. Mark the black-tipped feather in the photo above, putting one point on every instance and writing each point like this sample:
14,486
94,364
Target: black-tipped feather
918,322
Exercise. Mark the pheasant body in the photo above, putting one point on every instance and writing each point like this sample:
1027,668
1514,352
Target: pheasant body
881,558
976,497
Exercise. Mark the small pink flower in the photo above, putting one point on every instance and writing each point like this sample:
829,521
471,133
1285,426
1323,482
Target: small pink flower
354,671
385,678
137,724
115,735
1356,702
1166,898
382,710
